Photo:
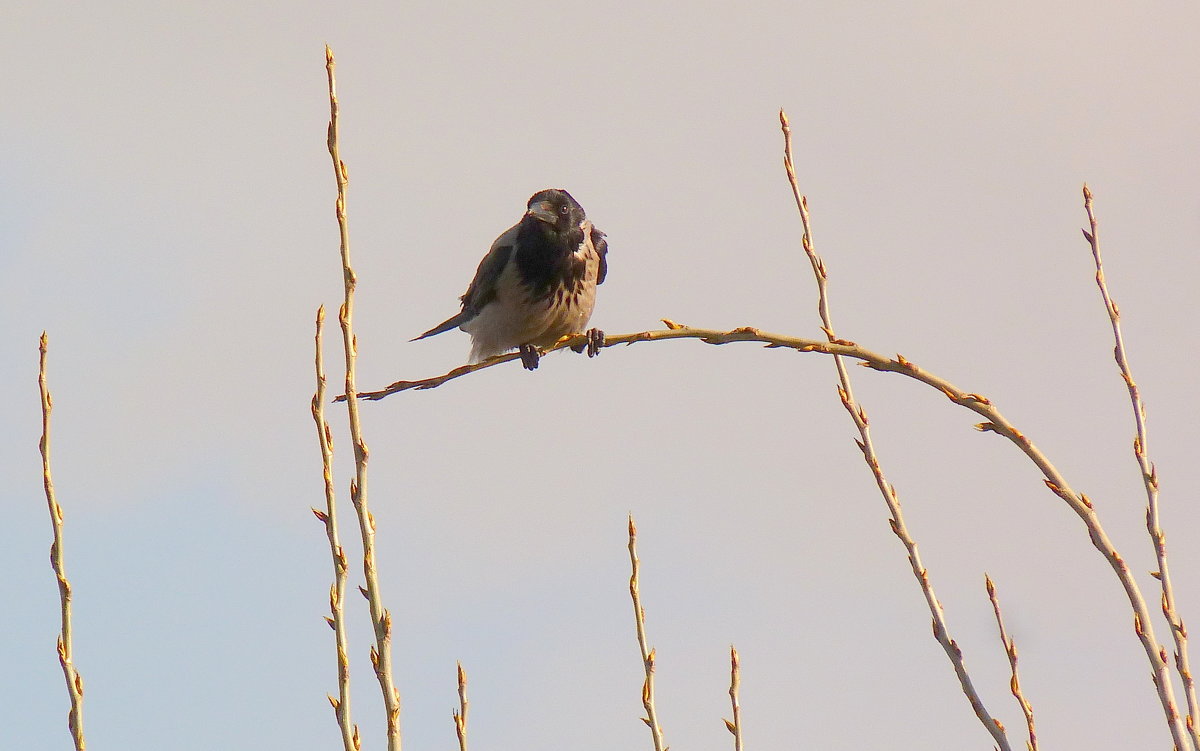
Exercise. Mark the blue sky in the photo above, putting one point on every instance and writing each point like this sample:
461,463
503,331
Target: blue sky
166,213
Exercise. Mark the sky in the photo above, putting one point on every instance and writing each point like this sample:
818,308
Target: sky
166,215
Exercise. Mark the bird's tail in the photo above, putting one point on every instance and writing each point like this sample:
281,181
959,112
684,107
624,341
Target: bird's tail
452,322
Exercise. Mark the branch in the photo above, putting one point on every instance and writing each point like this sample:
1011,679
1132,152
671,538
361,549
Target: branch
673,331
651,718
735,680
994,422
66,653
460,715
381,619
337,592
1150,480
859,416
1010,650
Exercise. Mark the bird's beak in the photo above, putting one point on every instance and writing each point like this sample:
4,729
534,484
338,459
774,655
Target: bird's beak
543,212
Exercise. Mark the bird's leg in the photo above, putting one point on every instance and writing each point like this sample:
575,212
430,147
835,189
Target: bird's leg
529,356
595,341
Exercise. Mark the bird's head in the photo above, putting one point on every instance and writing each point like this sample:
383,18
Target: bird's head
557,209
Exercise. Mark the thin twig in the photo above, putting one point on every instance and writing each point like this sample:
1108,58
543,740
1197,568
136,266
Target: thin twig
1010,649
337,592
994,420
651,718
735,680
865,444
66,653
381,619
673,331
1149,480
460,715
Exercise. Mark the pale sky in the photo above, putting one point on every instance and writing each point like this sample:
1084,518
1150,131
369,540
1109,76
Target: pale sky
166,212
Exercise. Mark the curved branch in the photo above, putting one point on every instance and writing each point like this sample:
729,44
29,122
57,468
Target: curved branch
841,347
673,331
994,421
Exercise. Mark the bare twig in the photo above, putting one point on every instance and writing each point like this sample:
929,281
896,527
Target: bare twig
865,444
735,680
994,422
337,592
1149,480
381,619
1010,649
651,718
66,653
460,714
673,331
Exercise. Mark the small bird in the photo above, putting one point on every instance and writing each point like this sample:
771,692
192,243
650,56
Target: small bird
536,284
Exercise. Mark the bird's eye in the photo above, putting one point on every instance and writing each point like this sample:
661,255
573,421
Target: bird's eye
564,210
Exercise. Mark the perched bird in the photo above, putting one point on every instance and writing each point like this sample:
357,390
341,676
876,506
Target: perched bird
536,285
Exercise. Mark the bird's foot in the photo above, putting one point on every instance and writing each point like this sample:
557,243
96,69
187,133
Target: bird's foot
595,342
529,356
593,345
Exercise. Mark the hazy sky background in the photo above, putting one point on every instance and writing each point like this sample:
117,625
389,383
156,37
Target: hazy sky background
166,206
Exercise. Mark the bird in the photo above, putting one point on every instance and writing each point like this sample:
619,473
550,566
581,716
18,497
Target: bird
536,284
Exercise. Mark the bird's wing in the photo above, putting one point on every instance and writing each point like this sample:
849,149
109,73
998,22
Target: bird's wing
483,287
600,243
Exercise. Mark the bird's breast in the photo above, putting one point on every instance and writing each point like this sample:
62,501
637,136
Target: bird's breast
538,308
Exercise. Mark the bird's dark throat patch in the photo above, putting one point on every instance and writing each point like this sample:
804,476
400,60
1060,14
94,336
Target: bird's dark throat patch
546,258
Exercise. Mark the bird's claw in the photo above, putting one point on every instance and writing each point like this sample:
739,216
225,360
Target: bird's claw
595,342
593,345
529,356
